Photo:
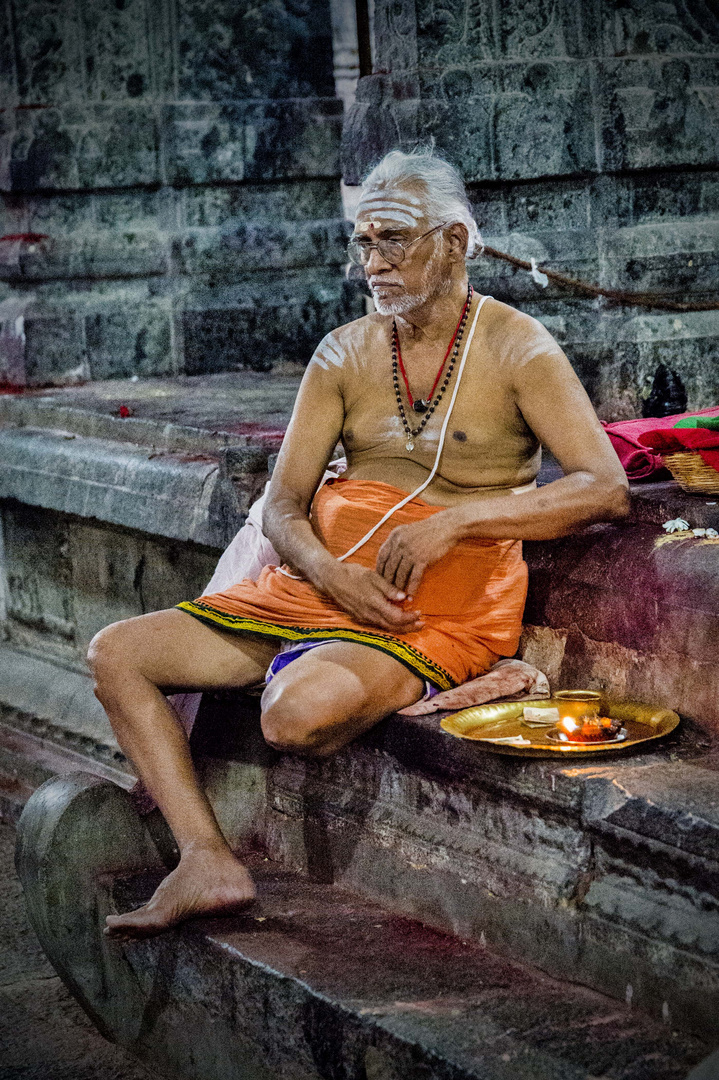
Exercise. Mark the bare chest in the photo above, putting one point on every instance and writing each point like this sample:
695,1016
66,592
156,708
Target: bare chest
486,442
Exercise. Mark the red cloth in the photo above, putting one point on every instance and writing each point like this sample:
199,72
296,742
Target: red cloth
635,455
672,440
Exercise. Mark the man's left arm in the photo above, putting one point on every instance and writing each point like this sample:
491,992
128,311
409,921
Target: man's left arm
594,488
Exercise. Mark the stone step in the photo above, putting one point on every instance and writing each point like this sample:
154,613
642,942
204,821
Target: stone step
603,871
27,761
50,724
312,981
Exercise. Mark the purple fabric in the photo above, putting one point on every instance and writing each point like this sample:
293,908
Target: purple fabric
294,651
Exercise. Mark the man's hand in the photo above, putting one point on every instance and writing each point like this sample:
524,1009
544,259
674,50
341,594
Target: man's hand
370,599
410,549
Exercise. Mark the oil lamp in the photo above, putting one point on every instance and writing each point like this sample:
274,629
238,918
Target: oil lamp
579,719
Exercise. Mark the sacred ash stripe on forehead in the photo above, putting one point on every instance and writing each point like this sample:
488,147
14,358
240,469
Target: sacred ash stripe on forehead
329,351
391,206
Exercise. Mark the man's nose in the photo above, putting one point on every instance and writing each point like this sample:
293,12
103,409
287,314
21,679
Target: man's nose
376,263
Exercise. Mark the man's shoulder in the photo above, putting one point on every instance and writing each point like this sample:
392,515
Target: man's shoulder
348,341
517,336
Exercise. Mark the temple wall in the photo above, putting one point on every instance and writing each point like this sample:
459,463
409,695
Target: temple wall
169,172
588,133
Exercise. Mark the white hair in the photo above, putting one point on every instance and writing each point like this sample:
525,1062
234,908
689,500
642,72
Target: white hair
442,191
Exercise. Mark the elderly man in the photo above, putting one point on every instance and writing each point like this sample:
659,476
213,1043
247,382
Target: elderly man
438,385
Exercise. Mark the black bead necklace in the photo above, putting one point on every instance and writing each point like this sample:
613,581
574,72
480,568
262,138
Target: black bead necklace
422,406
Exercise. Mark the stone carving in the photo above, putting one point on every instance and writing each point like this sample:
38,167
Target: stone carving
168,150
563,116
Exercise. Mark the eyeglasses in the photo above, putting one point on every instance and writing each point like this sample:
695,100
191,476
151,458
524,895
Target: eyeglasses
392,251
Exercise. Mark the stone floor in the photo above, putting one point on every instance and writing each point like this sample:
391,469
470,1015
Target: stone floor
44,1034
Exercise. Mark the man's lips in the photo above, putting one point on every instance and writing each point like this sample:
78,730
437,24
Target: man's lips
386,285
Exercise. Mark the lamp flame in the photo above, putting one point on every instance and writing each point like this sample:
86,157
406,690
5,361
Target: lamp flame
569,723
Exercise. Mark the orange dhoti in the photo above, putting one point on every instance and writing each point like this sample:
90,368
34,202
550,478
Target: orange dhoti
471,600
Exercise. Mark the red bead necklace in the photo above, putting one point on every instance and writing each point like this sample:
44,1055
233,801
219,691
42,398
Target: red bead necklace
429,404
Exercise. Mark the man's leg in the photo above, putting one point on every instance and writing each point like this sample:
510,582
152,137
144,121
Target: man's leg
133,662
329,696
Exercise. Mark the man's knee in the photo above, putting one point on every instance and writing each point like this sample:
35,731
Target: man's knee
107,653
292,721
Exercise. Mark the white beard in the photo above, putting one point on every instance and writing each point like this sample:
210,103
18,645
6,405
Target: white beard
433,285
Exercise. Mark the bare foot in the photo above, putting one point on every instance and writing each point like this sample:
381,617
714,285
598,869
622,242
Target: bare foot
207,881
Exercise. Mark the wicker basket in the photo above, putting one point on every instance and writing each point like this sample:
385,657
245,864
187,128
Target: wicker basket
691,473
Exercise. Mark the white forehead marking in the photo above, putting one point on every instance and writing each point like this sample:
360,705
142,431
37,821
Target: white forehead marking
390,215
388,204
384,193
329,351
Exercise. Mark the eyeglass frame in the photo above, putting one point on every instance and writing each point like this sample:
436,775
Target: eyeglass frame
358,245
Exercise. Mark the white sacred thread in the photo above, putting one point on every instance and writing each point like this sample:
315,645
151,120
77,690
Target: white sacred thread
430,478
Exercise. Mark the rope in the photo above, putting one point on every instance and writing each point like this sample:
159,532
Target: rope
619,296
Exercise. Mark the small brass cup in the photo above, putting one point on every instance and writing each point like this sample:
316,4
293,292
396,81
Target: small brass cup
579,704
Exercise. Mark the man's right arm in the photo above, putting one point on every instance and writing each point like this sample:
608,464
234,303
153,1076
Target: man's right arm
311,437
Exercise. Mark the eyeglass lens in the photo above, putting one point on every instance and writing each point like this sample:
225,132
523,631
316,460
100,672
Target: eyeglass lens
390,250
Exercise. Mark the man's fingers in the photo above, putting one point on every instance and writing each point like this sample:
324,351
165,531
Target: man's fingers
406,573
382,556
388,589
415,579
394,618
390,567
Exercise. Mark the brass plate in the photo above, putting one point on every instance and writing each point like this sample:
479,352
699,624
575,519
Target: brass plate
643,723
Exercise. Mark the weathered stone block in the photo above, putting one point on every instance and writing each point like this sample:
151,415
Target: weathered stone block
642,27
52,215
130,341
560,206
543,29
263,322
178,496
54,349
8,75
48,55
455,33
207,207
656,113
39,588
230,51
464,130
116,48
395,37
79,146
93,255
307,131
543,121
262,245
118,575
235,141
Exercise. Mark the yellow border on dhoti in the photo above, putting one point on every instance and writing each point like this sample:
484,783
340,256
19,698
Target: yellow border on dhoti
410,657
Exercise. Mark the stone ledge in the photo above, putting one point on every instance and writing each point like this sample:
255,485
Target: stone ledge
303,961
164,494
194,414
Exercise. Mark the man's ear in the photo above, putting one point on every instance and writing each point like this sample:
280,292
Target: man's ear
458,238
